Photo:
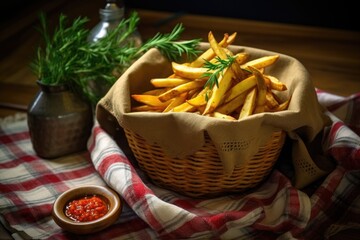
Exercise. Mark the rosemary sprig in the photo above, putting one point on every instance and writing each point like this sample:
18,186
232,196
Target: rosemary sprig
169,45
54,61
69,58
215,69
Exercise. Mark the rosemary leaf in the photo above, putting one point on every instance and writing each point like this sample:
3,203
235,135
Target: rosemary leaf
217,68
169,45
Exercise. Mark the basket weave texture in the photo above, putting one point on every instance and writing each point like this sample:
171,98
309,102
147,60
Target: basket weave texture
202,174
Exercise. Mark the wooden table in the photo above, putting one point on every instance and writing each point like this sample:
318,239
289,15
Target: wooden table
331,56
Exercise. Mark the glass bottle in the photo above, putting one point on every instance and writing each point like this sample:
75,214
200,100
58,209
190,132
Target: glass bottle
110,17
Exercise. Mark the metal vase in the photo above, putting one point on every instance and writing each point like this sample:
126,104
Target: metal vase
59,121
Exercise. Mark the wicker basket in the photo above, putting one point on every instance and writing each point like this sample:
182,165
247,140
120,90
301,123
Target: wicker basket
202,174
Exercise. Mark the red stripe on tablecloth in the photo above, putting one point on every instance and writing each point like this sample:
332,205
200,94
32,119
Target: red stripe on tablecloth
28,214
291,217
334,129
92,141
280,181
345,154
16,155
13,197
49,178
324,193
353,98
348,157
140,189
6,138
106,162
18,160
84,171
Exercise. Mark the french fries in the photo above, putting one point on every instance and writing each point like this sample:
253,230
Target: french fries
176,91
219,84
240,87
261,90
249,104
189,72
168,82
209,54
219,91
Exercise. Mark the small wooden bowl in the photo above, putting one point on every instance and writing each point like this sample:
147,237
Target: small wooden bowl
110,197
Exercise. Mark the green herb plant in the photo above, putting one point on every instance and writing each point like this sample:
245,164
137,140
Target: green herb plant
215,69
67,57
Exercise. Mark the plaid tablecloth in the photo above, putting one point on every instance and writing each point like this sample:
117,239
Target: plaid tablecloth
274,210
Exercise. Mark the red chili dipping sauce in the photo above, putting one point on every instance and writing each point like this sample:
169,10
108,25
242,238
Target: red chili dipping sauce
86,209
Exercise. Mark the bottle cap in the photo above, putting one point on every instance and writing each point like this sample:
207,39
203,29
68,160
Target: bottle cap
111,11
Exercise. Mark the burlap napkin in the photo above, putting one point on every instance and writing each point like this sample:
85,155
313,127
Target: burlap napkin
181,134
